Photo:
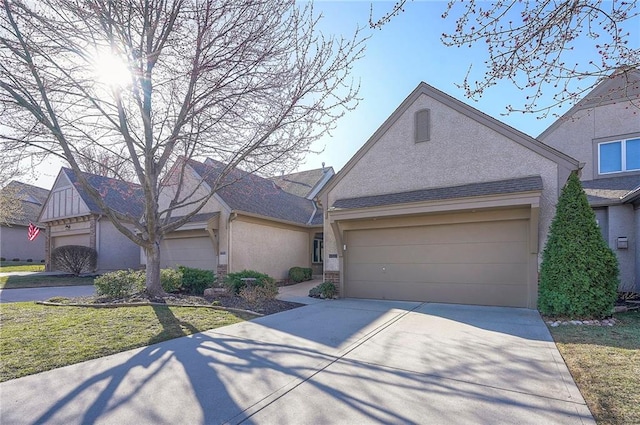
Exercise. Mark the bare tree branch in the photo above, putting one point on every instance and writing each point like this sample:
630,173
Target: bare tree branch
251,83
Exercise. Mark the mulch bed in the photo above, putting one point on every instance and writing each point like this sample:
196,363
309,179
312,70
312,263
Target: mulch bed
263,308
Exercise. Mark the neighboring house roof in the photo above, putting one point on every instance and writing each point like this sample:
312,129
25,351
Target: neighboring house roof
31,197
622,84
611,190
121,196
524,184
249,193
425,89
304,183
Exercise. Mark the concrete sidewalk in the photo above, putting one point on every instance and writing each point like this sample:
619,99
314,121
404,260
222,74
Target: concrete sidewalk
299,293
339,361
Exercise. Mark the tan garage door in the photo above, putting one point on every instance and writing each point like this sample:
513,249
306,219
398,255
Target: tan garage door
195,252
470,263
71,240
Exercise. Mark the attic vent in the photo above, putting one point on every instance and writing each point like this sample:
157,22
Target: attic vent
422,132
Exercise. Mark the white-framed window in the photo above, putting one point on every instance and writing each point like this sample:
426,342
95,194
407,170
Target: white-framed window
619,156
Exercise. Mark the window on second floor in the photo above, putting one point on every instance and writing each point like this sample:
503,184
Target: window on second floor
619,156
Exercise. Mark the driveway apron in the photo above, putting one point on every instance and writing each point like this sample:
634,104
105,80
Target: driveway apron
344,361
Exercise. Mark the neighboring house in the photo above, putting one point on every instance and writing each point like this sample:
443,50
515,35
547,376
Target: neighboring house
443,204
13,234
251,223
603,132
73,218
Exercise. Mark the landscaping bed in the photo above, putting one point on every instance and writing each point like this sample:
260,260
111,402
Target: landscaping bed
264,307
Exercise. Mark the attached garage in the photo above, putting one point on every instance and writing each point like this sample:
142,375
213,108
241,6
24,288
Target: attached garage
479,262
82,239
191,249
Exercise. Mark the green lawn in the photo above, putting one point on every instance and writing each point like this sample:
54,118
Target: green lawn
12,282
35,338
20,266
605,363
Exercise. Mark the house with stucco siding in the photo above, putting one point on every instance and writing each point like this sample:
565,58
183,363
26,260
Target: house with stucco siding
602,131
249,223
72,217
13,233
443,203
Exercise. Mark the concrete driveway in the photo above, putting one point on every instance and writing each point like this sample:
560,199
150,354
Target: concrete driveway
345,361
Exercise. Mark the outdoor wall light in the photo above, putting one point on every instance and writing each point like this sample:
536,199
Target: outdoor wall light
622,242
67,226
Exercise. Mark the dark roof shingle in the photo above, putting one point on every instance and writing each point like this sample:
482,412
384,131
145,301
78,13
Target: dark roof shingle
524,184
31,197
301,183
121,196
254,194
610,189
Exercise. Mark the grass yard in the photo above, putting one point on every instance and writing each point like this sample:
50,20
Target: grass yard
20,266
605,363
14,282
36,338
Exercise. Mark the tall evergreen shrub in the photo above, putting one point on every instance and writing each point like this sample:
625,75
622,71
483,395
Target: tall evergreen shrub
579,272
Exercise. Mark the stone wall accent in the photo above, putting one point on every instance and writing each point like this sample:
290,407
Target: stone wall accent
221,272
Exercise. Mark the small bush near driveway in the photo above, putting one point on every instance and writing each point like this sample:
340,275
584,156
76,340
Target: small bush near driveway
324,290
74,259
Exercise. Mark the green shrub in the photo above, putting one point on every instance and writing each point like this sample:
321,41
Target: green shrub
171,280
324,290
29,260
234,282
16,259
3,259
195,281
579,272
299,274
120,283
74,259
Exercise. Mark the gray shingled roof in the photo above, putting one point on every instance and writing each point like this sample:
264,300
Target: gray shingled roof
31,197
121,196
524,184
610,189
301,183
254,194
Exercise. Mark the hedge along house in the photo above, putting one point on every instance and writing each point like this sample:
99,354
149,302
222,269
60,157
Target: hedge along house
603,131
14,243
73,218
443,204
251,223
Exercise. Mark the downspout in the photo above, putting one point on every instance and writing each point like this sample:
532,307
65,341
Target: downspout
232,217
98,236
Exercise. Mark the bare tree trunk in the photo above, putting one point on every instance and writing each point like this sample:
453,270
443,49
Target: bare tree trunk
154,288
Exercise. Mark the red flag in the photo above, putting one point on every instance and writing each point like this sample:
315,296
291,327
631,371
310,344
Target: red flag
33,232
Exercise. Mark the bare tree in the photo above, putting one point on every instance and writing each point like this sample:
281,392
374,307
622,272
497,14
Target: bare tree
251,83
530,43
10,205
105,163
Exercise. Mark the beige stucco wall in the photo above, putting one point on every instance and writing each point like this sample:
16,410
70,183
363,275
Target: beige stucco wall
621,224
14,244
214,204
267,247
575,135
460,151
115,250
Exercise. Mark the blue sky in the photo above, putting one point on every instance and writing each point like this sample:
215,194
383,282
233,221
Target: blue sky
398,57
405,52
